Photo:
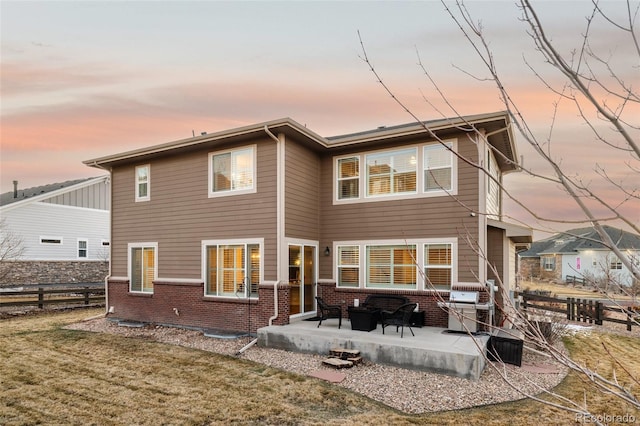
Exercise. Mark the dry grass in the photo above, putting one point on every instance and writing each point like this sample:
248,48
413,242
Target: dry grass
568,291
51,375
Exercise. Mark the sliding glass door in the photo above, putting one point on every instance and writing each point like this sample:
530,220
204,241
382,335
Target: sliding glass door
302,278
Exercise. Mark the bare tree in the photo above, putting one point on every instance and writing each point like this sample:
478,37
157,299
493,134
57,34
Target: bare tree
11,249
606,100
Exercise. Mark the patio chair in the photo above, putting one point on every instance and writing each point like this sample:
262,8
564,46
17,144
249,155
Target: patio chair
400,317
326,311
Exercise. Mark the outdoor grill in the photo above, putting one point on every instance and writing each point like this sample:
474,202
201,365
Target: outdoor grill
463,306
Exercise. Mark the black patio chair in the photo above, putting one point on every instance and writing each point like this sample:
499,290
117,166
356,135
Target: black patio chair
401,317
326,311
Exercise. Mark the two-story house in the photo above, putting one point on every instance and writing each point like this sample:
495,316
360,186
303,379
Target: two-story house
59,233
242,228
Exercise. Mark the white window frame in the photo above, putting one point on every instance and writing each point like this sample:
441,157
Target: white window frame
393,154
426,266
229,242
46,240
248,190
357,178
447,147
420,191
147,197
549,266
147,245
340,265
86,248
419,243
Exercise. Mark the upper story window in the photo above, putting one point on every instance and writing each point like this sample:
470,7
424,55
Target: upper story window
391,172
51,240
408,172
348,178
142,182
615,263
438,168
232,172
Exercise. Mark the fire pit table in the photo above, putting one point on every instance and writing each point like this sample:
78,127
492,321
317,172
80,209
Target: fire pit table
363,319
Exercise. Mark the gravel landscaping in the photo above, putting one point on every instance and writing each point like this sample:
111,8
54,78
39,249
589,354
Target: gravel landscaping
406,390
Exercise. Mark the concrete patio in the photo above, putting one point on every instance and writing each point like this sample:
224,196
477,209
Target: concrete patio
432,349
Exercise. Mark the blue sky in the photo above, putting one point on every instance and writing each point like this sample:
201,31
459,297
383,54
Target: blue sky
85,79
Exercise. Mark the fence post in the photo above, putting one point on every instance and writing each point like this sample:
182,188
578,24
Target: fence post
86,295
599,313
40,297
629,319
570,308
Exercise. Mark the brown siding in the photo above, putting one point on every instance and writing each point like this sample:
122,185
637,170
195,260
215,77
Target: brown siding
302,182
429,217
180,214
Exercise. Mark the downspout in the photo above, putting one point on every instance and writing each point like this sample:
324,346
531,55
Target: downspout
106,279
279,181
278,237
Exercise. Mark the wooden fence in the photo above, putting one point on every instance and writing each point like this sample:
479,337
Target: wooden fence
581,310
572,279
57,296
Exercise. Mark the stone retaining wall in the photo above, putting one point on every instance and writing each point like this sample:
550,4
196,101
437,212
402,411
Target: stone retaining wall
52,272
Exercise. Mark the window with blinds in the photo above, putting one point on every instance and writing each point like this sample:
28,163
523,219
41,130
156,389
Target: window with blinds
391,172
232,171
438,168
143,268
437,266
391,266
233,270
348,266
348,178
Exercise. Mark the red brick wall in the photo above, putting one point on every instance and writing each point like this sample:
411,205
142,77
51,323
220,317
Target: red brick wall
196,310
435,316
243,315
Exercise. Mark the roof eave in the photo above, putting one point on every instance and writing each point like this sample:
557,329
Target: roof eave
101,162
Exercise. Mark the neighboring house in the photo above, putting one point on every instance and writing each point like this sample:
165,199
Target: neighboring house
63,229
242,228
580,253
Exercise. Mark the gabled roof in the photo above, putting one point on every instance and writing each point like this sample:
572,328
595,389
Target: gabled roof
38,193
575,240
496,125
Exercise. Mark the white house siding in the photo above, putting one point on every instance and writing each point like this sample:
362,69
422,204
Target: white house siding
571,267
37,220
596,263
493,188
512,265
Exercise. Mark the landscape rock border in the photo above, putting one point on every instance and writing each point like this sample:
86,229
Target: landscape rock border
410,391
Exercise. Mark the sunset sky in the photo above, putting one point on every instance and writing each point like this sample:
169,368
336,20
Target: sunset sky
81,80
